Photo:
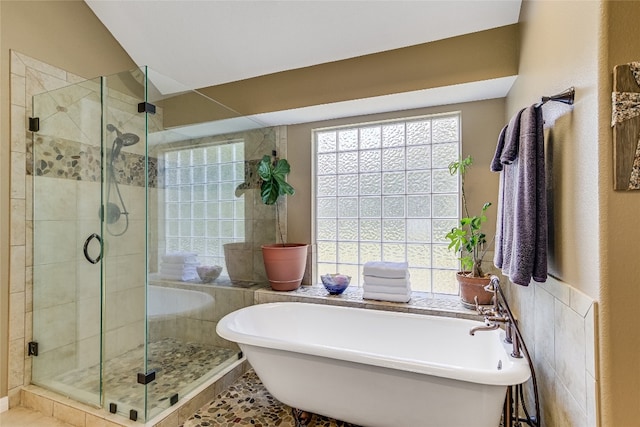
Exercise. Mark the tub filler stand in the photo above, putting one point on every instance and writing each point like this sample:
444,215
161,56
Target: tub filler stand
377,368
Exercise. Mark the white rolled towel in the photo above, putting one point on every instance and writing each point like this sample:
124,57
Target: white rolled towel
385,281
391,270
398,290
180,257
383,296
177,268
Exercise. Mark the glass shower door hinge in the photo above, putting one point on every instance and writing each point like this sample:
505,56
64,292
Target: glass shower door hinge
32,348
146,107
146,378
34,124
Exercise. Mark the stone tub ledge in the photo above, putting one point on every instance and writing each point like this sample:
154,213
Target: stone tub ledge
420,303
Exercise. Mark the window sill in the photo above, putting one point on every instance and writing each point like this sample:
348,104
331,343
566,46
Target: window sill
420,303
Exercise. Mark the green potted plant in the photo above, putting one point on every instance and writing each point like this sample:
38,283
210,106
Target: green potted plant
284,263
470,242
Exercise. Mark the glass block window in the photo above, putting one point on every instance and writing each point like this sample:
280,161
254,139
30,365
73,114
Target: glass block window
202,210
383,192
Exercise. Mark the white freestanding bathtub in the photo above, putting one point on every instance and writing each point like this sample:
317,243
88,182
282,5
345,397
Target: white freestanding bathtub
377,368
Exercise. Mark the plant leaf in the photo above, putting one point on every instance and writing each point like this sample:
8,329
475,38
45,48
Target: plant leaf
264,168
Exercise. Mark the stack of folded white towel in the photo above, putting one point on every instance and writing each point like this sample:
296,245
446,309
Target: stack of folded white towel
386,281
179,266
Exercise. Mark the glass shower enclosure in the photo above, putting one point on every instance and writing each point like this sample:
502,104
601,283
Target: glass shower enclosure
120,318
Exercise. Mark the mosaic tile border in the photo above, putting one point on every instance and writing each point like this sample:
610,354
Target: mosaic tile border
60,158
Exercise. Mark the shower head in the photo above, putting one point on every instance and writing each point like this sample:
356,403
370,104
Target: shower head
122,140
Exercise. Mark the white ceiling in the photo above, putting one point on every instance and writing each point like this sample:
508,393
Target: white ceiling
209,42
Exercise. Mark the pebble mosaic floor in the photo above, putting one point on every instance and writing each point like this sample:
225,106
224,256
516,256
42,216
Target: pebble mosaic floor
248,403
177,365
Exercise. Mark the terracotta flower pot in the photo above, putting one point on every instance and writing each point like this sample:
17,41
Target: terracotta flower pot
285,265
470,287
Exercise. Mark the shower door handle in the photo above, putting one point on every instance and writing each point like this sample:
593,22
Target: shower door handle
86,250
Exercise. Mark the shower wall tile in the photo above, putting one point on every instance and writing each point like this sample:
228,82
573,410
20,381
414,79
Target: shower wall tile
17,278
28,290
87,280
590,335
570,369
54,362
16,362
18,134
27,76
17,235
131,271
135,199
130,336
29,243
544,342
56,242
18,87
26,378
565,350
18,67
559,290
88,352
17,176
60,325
28,194
579,302
32,63
88,199
55,199
39,82
88,318
16,315
132,242
592,388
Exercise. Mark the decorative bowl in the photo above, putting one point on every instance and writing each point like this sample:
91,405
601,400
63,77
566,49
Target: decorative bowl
335,284
208,273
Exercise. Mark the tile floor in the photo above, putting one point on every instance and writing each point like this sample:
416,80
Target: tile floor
248,403
245,403
23,417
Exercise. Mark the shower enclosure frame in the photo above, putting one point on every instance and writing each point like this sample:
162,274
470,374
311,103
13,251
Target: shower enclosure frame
114,299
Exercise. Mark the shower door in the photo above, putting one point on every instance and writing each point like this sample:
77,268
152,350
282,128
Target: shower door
89,243
67,290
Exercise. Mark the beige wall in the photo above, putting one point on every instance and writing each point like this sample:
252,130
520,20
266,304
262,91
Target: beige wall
472,57
556,53
559,48
619,210
61,33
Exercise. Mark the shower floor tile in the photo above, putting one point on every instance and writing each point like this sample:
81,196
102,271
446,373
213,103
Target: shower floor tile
248,403
177,365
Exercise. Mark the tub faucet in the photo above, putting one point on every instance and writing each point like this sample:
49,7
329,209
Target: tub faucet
496,315
488,326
